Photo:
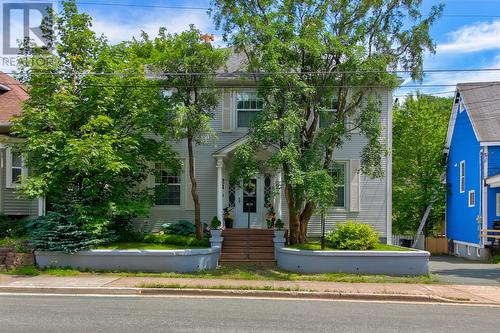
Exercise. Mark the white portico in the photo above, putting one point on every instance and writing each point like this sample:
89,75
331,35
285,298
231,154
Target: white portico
249,203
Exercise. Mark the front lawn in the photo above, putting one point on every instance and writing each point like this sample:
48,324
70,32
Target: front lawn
147,246
316,246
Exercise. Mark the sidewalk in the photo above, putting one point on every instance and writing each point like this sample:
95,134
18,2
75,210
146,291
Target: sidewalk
108,284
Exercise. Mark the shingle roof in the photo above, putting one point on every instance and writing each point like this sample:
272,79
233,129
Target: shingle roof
482,101
12,95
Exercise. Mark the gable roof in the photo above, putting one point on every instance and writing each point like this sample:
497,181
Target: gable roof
482,103
12,96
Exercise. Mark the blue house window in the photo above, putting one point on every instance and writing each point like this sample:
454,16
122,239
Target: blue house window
462,176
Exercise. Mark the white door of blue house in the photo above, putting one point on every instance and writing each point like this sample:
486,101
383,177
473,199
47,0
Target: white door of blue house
249,204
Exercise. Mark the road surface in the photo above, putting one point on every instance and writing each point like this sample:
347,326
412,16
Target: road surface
43,313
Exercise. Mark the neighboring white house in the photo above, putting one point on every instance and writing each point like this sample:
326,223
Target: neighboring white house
360,198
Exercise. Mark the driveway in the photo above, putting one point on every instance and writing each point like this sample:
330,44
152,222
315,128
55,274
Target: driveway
460,271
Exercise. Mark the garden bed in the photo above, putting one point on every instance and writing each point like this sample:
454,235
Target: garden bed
181,261
404,262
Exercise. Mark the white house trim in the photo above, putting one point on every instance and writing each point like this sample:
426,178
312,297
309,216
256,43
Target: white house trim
9,183
493,181
489,143
388,189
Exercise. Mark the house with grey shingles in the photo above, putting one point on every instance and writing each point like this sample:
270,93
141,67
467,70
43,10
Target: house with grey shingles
12,95
359,197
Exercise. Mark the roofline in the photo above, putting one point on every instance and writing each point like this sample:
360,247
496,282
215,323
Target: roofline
489,143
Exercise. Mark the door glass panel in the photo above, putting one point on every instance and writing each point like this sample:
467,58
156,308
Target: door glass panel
250,196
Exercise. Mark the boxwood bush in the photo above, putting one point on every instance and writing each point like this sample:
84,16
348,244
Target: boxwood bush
353,236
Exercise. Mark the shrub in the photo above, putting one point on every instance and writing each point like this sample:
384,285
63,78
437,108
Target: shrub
215,223
279,224
353,236
58,232
183,228
13,227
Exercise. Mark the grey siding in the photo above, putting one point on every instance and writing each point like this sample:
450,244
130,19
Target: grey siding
373,199
11,202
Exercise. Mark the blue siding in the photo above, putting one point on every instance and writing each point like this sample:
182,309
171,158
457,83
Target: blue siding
493,161
461,223
493,169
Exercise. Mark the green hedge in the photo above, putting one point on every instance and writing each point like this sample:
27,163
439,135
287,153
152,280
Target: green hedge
353,236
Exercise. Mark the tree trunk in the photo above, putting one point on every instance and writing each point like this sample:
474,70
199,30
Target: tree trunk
194,191
305,216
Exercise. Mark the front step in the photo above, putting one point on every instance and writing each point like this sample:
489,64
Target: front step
248,247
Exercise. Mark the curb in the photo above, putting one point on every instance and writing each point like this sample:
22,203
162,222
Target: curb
196,292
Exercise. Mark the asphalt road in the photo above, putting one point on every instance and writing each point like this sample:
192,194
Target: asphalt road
460,271
24,313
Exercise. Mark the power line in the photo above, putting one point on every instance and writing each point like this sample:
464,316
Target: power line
244,74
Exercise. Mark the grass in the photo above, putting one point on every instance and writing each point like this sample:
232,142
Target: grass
146,246
252,272
182,286
25,270
316,245
495,259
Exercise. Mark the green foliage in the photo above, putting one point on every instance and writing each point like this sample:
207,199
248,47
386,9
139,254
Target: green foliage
351,44
184,228
175,240
25,270
65,233
353,236
193,98
12,227
279,225
419,132
85,133
215,223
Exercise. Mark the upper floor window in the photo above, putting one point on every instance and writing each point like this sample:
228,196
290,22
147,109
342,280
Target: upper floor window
472,198
327,116
338,173
248,106
167,186
15,169
462,176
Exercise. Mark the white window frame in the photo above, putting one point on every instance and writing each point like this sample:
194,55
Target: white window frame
478,252
9,183
455,248
472,203
328,110
467,247
462,177
236,109
180,184
498,204
346,186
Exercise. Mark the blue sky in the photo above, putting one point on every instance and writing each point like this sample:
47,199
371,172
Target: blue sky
462,42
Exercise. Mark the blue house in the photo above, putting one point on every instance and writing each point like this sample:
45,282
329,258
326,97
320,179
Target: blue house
473,168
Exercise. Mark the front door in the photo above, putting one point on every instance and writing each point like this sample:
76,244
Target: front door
248,205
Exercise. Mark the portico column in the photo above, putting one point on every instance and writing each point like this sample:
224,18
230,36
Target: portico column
278,201
220,165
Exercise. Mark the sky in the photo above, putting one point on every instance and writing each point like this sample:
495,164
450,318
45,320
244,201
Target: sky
466,37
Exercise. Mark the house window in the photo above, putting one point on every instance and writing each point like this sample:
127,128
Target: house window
248,106
498,204
462,176
467,247
338,173
472,198
478,252
327,116
15,168
167,186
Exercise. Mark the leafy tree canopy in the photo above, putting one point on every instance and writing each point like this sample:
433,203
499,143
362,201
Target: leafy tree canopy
420,125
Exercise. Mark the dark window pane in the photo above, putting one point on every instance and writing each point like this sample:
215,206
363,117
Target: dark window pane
16,175
340,200
245,118
17,160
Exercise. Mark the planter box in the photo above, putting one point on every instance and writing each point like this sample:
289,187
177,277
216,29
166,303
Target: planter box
398,263
181,261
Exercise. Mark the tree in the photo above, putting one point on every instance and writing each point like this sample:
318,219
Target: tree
180,59
84,126
310,55
420,126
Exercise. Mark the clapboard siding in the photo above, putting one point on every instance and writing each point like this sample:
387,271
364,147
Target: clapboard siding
373,201
12,202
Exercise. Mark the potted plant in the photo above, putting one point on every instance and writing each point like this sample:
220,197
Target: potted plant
215,227
278,228
228,219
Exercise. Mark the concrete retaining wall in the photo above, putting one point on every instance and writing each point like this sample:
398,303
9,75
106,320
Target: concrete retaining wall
181,261
397,263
